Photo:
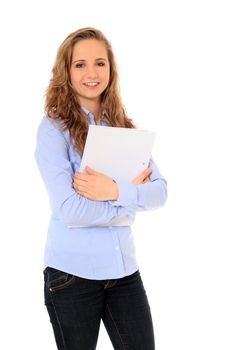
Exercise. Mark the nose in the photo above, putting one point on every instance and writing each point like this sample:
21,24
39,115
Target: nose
91,72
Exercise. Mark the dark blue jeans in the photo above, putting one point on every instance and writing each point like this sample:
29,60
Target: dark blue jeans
77,305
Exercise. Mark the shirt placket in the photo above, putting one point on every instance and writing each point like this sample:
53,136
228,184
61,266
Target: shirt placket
117,251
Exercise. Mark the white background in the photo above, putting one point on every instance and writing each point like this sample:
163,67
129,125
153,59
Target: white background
174,59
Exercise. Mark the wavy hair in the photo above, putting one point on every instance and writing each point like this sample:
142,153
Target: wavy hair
61,99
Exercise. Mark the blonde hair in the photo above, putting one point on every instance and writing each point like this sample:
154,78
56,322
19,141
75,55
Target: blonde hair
61,100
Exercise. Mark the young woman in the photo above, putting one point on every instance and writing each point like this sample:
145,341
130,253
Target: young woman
91,271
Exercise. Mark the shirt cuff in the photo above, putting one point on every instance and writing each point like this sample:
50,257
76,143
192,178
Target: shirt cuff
127,194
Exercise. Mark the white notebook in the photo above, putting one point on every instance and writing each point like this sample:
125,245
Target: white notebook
121,153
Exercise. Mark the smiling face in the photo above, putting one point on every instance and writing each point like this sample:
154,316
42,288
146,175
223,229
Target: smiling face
90,71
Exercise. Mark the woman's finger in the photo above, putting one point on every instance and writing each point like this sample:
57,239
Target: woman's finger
140,178
146,180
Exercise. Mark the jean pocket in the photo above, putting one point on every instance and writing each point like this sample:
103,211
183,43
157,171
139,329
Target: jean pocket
58,280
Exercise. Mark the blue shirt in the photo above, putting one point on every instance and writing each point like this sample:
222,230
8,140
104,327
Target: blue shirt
96,249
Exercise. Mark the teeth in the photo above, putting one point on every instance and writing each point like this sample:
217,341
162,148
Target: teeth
91,84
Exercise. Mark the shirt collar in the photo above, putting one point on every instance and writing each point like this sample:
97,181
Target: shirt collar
91,117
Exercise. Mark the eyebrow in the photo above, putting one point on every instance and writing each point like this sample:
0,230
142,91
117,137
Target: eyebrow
97,59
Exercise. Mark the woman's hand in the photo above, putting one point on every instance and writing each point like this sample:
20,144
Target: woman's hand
95,186
99,187
143,178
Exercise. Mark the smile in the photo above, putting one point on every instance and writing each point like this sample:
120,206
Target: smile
91,84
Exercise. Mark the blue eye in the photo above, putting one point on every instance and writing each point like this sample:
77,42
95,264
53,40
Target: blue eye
79,65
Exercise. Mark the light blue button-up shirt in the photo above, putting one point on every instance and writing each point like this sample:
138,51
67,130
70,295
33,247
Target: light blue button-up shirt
96,249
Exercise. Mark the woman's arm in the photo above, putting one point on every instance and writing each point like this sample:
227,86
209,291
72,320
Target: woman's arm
145,196
55,168
147,191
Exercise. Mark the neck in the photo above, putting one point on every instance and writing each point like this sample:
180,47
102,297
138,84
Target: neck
95,109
